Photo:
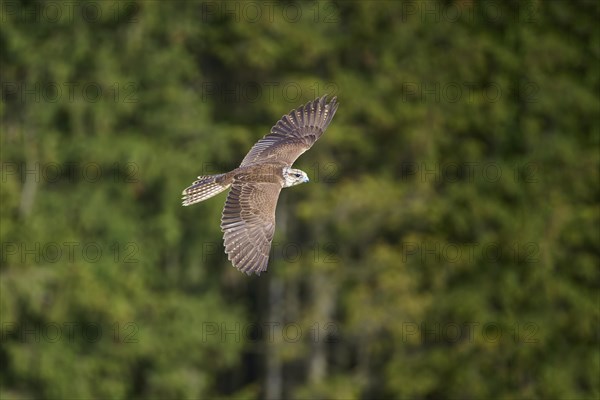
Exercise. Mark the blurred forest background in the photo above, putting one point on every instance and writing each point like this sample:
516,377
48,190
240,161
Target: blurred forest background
447,245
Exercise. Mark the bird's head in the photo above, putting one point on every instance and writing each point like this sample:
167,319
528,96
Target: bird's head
294,177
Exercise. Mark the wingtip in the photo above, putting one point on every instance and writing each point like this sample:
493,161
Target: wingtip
332,102
333,106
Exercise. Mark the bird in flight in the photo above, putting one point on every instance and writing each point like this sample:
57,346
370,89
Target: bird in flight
248,219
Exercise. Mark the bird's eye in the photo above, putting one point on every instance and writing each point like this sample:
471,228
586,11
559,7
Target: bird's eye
298,175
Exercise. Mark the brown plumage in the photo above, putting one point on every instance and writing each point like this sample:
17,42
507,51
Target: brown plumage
248,220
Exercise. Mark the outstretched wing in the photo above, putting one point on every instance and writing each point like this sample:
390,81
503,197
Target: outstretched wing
248,223
293,134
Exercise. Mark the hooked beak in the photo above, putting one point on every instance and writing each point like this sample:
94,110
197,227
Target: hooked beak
306,179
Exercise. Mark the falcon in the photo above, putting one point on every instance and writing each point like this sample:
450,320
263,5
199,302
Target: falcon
248,218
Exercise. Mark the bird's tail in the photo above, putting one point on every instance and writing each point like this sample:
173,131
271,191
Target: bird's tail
204,188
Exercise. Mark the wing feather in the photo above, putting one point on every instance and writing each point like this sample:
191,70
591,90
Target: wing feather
248,223
294,133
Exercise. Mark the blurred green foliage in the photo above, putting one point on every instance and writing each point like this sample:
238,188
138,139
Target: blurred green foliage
446,247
